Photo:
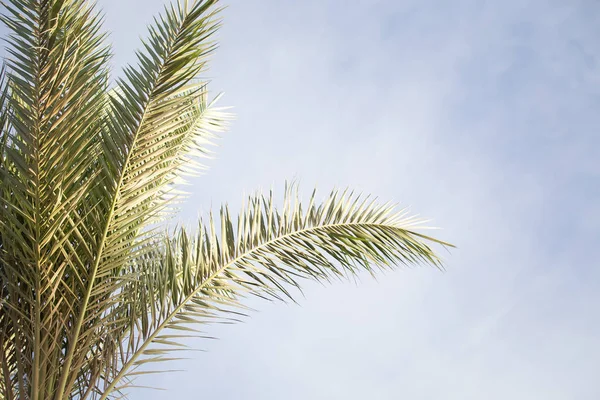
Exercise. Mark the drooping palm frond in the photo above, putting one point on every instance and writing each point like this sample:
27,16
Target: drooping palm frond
194,279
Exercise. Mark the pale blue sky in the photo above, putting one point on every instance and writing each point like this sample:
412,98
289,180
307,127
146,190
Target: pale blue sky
482,115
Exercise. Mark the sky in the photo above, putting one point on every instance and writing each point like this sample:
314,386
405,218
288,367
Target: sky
481,115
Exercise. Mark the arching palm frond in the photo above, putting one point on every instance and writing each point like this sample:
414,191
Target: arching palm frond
192,279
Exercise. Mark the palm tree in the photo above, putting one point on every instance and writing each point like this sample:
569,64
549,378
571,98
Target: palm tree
93,289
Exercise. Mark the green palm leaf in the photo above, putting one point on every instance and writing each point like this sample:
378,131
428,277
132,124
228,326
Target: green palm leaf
194,279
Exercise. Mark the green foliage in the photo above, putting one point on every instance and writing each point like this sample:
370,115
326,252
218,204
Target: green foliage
90,289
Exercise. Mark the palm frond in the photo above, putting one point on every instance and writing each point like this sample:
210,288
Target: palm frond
57,76
266,252
155,117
